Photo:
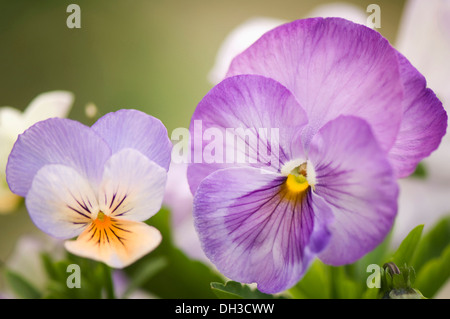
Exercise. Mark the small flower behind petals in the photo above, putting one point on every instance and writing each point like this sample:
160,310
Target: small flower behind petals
95,183
13,122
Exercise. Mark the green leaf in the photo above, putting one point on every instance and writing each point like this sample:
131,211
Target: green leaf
433,243
343,287
48,266
377,256
21,287
434,274
236,290
405,251
315,284
420,172
182,277
144,274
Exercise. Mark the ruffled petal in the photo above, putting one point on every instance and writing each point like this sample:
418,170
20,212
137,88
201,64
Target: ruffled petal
56,141
117,244
355,178
252,121
254,232
132,187
333,67
424,122
135,129
61,202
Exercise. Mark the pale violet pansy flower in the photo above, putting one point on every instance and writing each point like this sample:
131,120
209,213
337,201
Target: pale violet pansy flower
347,105
95,183
13,122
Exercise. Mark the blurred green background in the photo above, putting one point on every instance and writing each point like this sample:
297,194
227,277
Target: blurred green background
150,55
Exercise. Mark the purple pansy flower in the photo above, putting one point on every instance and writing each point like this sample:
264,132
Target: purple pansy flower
347,106
98,183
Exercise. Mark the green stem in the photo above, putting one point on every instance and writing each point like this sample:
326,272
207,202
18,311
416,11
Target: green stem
109,285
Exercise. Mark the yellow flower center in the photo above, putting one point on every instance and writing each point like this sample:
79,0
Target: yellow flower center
296,184
296,181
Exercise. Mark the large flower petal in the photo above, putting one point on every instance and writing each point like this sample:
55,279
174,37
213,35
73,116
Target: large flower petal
132,187
253,232
118,245
55,141
333,67
252,120
424,122
135,129
61,202
355,178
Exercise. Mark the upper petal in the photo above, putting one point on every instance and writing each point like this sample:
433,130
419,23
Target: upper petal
424,122
61,202
252,232
251,119
132,187
56,141
355,178
135,129
333,67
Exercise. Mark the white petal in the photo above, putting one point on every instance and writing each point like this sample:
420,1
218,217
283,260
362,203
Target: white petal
237,41
420,202
424,38
47,105
119,245
61,202
340,10
132,187
11,122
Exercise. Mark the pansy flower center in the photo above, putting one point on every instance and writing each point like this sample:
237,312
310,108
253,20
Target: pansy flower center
296,181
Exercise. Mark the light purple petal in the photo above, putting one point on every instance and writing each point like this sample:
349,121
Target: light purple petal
135,129
61,202
424,122
355,178
55,141
261,113
333,67
253,233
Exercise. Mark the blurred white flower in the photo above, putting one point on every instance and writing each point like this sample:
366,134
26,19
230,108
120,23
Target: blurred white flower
237,41
341,10
424,38
13,122
26,260
179,200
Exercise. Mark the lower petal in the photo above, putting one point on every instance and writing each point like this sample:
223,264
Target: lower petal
253,232
118,244
355,178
